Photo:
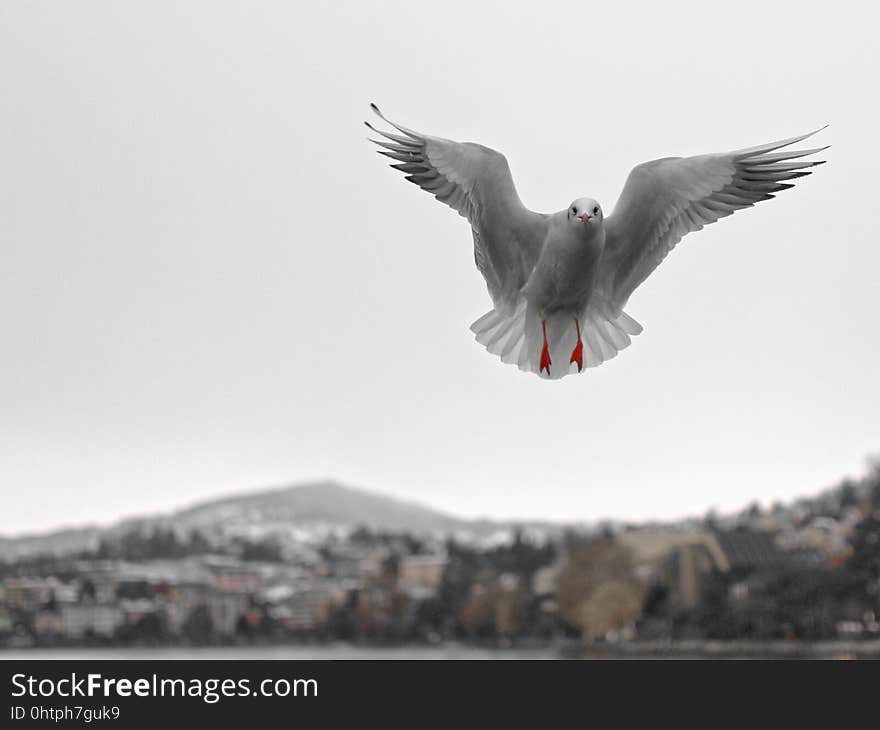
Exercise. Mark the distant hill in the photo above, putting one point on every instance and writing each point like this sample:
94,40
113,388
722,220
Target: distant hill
310,506
306,511
328,503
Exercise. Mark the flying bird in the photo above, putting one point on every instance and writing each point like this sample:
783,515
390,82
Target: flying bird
559,282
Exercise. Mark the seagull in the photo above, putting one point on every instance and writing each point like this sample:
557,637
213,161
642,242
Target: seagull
559,282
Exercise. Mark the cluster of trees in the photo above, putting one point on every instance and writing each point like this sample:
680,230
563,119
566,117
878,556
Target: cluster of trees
152,544
805,603
164,543
483,594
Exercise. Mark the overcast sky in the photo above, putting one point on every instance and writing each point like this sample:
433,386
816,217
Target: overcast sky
210,282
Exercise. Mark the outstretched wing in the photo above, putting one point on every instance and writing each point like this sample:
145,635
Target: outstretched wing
475,181
665,199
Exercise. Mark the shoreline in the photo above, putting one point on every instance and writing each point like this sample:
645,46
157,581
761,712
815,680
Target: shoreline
646,649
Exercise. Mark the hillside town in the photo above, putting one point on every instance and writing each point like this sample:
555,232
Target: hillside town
808,570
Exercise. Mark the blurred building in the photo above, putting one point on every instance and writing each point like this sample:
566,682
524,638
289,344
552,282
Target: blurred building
420,575
86,620
677,558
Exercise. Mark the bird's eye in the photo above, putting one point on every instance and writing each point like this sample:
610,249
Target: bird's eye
574,210
596,210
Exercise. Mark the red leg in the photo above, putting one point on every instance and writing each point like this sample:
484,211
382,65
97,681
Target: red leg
577,354
545,352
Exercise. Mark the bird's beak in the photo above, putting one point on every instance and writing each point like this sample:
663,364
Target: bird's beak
584,218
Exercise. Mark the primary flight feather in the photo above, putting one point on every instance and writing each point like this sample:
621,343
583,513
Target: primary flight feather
559,282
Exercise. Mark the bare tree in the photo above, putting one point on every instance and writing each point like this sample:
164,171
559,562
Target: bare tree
597,589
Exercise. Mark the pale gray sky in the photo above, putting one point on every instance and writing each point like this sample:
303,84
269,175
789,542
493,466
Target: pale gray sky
209,281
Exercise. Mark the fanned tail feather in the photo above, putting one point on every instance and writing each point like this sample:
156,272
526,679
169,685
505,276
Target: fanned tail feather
517,337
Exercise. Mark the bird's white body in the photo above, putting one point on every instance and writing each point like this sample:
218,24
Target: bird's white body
565,274
559,282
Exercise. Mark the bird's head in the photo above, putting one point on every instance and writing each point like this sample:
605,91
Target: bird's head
585,212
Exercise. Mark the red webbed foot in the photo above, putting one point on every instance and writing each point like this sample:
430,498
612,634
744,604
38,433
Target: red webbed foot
545,351
577,354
